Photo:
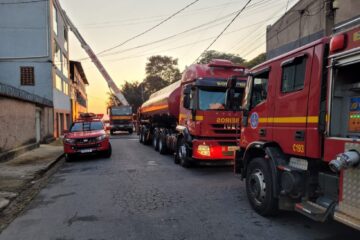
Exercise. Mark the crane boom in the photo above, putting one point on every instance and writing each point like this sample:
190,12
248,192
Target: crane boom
96,61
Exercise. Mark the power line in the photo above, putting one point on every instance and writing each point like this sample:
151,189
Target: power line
254,6
221,33
150,29
23,2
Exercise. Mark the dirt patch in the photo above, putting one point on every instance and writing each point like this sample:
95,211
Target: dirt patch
11,184
29,161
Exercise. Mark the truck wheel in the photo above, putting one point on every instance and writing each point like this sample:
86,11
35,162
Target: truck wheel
259,188
155,140
162,144
183,153
131,131
141,137
107,153
69,157
111,132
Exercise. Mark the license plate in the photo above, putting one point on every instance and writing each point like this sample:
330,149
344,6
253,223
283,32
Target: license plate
86,150
233,148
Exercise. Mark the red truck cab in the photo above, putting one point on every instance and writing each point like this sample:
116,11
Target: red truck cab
300,138
87,135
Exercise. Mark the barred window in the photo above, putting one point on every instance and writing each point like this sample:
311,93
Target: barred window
27,76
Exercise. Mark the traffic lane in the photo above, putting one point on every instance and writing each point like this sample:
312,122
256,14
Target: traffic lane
139,194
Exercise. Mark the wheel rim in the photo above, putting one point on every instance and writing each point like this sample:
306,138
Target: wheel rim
160,145
257,186
182,151
154,141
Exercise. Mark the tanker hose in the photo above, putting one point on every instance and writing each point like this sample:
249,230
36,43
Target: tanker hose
345,160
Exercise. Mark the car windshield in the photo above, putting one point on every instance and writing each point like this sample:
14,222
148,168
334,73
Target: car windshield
86,126
121,111
214,99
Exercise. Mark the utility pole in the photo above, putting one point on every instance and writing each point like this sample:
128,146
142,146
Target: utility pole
330,9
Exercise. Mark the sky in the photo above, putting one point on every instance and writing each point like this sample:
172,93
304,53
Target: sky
106,23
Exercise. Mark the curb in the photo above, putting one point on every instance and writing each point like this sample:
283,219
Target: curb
6,156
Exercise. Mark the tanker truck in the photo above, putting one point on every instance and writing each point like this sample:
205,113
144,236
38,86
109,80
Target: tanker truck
192,118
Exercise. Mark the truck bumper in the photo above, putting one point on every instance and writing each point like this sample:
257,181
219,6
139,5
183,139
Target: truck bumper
86,148
214,150
121,127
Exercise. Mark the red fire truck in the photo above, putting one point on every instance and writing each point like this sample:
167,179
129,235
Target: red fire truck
300,138
190,117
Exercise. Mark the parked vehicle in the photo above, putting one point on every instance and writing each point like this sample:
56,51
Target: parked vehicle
121,119
300,139
87,135
192,118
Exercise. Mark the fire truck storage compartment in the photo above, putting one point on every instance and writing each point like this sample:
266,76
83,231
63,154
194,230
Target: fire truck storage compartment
345,109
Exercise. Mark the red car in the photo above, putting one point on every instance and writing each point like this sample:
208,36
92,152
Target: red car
87,135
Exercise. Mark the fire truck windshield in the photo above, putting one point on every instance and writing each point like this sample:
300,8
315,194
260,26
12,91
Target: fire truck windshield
121,111
214,99
86,126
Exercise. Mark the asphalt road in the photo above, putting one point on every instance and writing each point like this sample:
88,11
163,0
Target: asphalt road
139,194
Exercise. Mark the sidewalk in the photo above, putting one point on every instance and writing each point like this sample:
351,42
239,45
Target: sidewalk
18,173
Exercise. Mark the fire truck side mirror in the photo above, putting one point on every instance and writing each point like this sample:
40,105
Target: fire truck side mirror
187,97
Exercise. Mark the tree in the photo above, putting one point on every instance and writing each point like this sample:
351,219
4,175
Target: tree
152,84
256,61
112,100
164,67
134,94
212,54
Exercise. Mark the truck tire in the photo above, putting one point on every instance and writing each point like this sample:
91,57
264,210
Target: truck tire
141,137
259,187
183,153
162,144
111,132
155,140
131,131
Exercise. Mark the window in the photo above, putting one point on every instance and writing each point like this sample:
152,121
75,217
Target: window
66,88
65,66
58,82
86,126
293,75
57,56
66,38
259,88
27,76
212,99
55,20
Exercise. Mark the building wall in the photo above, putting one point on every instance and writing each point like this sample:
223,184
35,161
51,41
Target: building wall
25,41
307,21
25,30
60,71
18,126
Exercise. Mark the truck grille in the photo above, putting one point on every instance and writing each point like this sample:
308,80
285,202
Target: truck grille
119,122
350,203
85,140
226,128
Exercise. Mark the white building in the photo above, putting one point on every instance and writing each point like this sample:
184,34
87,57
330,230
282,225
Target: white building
34,72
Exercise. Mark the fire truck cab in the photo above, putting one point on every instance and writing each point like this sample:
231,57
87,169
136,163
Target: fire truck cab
300,137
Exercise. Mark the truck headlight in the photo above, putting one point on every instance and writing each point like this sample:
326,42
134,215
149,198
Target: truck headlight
100,138
69,141
204,150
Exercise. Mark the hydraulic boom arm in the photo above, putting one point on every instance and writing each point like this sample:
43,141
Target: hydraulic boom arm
96,61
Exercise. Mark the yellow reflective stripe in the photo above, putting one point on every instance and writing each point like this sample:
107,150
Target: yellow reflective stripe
197,118
309,119
121,118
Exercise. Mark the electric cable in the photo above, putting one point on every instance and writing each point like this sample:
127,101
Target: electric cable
150,29
221,33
